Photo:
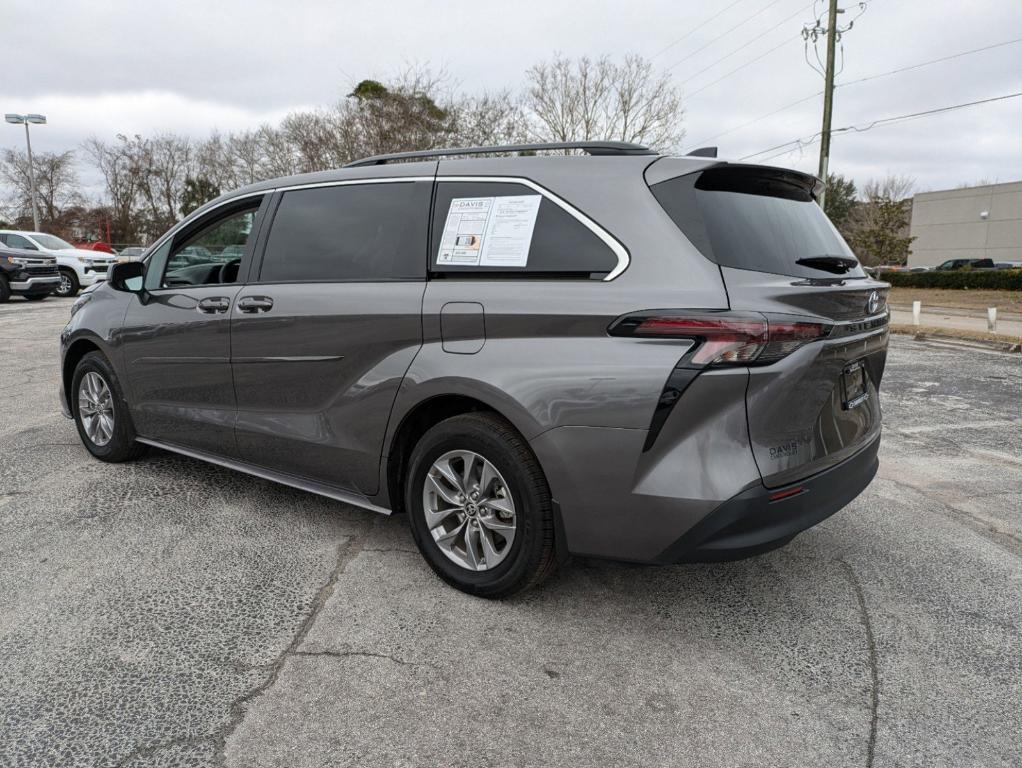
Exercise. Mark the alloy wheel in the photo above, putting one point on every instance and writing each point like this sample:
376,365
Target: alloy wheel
64,289
96,408
469,510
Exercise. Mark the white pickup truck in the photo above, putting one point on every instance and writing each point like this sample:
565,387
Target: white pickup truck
78,268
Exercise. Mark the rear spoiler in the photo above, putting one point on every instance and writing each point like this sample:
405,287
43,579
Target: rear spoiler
671,167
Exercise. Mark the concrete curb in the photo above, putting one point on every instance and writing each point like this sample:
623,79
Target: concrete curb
951,338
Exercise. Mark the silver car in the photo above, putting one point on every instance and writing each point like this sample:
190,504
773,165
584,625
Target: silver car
617,354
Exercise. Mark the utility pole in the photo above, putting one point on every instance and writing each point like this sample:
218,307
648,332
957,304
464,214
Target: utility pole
833,33
828,99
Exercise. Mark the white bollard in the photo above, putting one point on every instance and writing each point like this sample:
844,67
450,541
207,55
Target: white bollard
992,319
917,308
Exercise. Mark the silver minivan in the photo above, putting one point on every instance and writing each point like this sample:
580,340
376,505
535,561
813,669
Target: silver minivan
611,353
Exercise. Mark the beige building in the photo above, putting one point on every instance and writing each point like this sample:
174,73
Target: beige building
974,223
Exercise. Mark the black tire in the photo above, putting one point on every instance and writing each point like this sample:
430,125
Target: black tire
532,557
36,296
69,289
122,445
5,289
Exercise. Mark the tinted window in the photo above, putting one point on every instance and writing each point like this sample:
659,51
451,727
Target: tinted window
561,244
211,254
17,241
352,232
753,218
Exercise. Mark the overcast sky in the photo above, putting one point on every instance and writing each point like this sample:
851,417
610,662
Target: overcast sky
110,66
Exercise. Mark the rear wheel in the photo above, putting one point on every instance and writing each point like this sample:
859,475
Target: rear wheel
68,283
479,506
101,413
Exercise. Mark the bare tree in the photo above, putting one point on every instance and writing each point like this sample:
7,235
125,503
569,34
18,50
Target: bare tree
163,164
587,99
878,227
122,181
413,112
56,182
490,119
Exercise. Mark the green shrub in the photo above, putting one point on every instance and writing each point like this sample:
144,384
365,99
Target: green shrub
990,279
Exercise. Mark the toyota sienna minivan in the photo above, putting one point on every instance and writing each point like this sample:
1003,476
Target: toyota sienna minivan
611,353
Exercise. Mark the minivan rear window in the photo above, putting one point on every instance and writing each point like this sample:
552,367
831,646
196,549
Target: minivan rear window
560,245
759,219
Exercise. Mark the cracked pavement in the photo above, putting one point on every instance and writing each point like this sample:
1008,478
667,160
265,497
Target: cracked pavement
172,613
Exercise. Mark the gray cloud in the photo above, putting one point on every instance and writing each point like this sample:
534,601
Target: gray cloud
117,66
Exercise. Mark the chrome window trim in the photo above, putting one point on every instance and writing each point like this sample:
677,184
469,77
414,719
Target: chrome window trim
608,239
623,258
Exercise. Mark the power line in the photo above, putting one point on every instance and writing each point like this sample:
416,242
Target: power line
756,120
743,66
800,143
744,45
932,61
695,29
747,19
899,70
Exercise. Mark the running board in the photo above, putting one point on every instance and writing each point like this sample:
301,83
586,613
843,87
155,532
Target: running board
302,484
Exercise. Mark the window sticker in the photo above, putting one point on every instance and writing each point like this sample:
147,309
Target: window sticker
494,232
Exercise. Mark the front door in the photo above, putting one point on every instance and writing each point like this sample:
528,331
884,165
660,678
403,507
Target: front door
323,335
176,341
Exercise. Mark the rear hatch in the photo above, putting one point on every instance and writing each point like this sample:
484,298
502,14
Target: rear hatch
817,404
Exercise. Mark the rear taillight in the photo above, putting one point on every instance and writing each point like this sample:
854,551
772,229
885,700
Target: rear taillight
725,338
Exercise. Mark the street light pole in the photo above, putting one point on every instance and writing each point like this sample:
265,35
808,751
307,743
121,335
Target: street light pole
31,180
16,119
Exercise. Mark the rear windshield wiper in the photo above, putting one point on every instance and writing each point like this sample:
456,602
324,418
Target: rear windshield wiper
836,265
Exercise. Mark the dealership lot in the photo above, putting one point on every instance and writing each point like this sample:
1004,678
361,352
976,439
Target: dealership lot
169,612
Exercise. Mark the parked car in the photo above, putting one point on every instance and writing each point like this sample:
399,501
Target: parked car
895,268
231,252
98,245
1008,264
78,269
27,273
952,264
626,355
131,253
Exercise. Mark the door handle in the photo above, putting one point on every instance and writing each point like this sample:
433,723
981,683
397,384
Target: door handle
252,304
213,305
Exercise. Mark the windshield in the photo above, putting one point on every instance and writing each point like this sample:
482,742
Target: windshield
52,243
760,219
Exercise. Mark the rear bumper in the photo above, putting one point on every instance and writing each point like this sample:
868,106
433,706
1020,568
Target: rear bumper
750,523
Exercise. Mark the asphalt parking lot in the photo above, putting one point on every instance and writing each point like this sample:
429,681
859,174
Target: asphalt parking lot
169,612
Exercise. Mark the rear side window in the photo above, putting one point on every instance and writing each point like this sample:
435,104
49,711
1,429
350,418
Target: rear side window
496,229
352,232
753,218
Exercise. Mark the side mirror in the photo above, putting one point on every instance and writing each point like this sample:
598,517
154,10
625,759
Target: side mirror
127,276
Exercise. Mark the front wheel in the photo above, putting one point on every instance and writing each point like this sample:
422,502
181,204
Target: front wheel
479,506
69,284
101,413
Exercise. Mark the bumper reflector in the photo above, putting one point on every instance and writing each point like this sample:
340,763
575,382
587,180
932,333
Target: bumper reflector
787,493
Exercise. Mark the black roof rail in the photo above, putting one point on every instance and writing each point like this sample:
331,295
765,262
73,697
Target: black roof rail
589,147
